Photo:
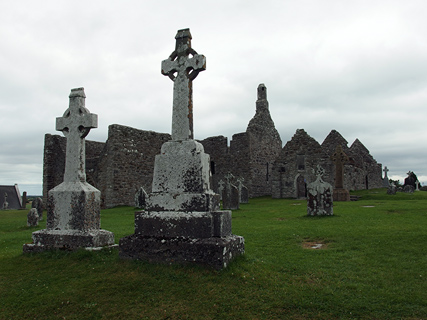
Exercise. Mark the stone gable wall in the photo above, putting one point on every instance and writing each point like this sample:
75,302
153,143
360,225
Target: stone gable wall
298,160
361,172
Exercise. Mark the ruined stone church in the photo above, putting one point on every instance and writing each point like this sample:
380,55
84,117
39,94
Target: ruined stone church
125,162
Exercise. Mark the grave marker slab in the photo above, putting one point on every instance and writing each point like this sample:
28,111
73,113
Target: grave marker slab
38,205
319,200
73,208
243,191
230,195
33,218
5,203
391,189
182,221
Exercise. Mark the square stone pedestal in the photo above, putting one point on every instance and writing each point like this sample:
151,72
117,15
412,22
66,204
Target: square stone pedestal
341,195
73,220
196,237
68,240
213,251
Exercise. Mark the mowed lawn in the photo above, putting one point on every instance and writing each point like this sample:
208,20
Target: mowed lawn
371,264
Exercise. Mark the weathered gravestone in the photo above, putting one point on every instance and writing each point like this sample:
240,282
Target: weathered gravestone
5,203
386,182
230,194
220,188
408,189
140,198
37,203
73,208
24,200
319,196
243,191
32,218
339,157
391,189
182,221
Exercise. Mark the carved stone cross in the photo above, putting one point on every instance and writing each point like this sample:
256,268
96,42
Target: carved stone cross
339,157
385,171
76,124
183,70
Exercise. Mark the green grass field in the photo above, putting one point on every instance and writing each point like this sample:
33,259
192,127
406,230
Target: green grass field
372,265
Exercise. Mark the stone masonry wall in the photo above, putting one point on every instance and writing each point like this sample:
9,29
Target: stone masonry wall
218,150
127,164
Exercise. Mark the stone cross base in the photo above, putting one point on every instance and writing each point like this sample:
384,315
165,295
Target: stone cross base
185,202
386,183
73,220
214,252
182,167
183,224
69,240
341,195
74,206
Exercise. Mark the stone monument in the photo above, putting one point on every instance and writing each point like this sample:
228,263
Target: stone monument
182,221
339,157
220,188
37,203
73,208
230,194
319,196
24,200
243,191
140,198
386,182
33,218
5,203
391,189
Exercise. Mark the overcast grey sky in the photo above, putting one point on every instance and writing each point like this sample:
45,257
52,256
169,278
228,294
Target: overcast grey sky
359,67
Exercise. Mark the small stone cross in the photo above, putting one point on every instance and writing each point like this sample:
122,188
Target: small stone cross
417,183
75,125
240,182
229,177
385,172
339,157
183,70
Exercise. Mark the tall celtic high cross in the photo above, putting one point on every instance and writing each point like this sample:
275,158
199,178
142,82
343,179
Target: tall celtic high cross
339,157
75,125
183,69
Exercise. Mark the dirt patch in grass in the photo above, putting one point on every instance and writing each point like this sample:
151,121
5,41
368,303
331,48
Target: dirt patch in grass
314,244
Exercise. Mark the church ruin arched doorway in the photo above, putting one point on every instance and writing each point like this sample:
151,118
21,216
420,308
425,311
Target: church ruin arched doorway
300,187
